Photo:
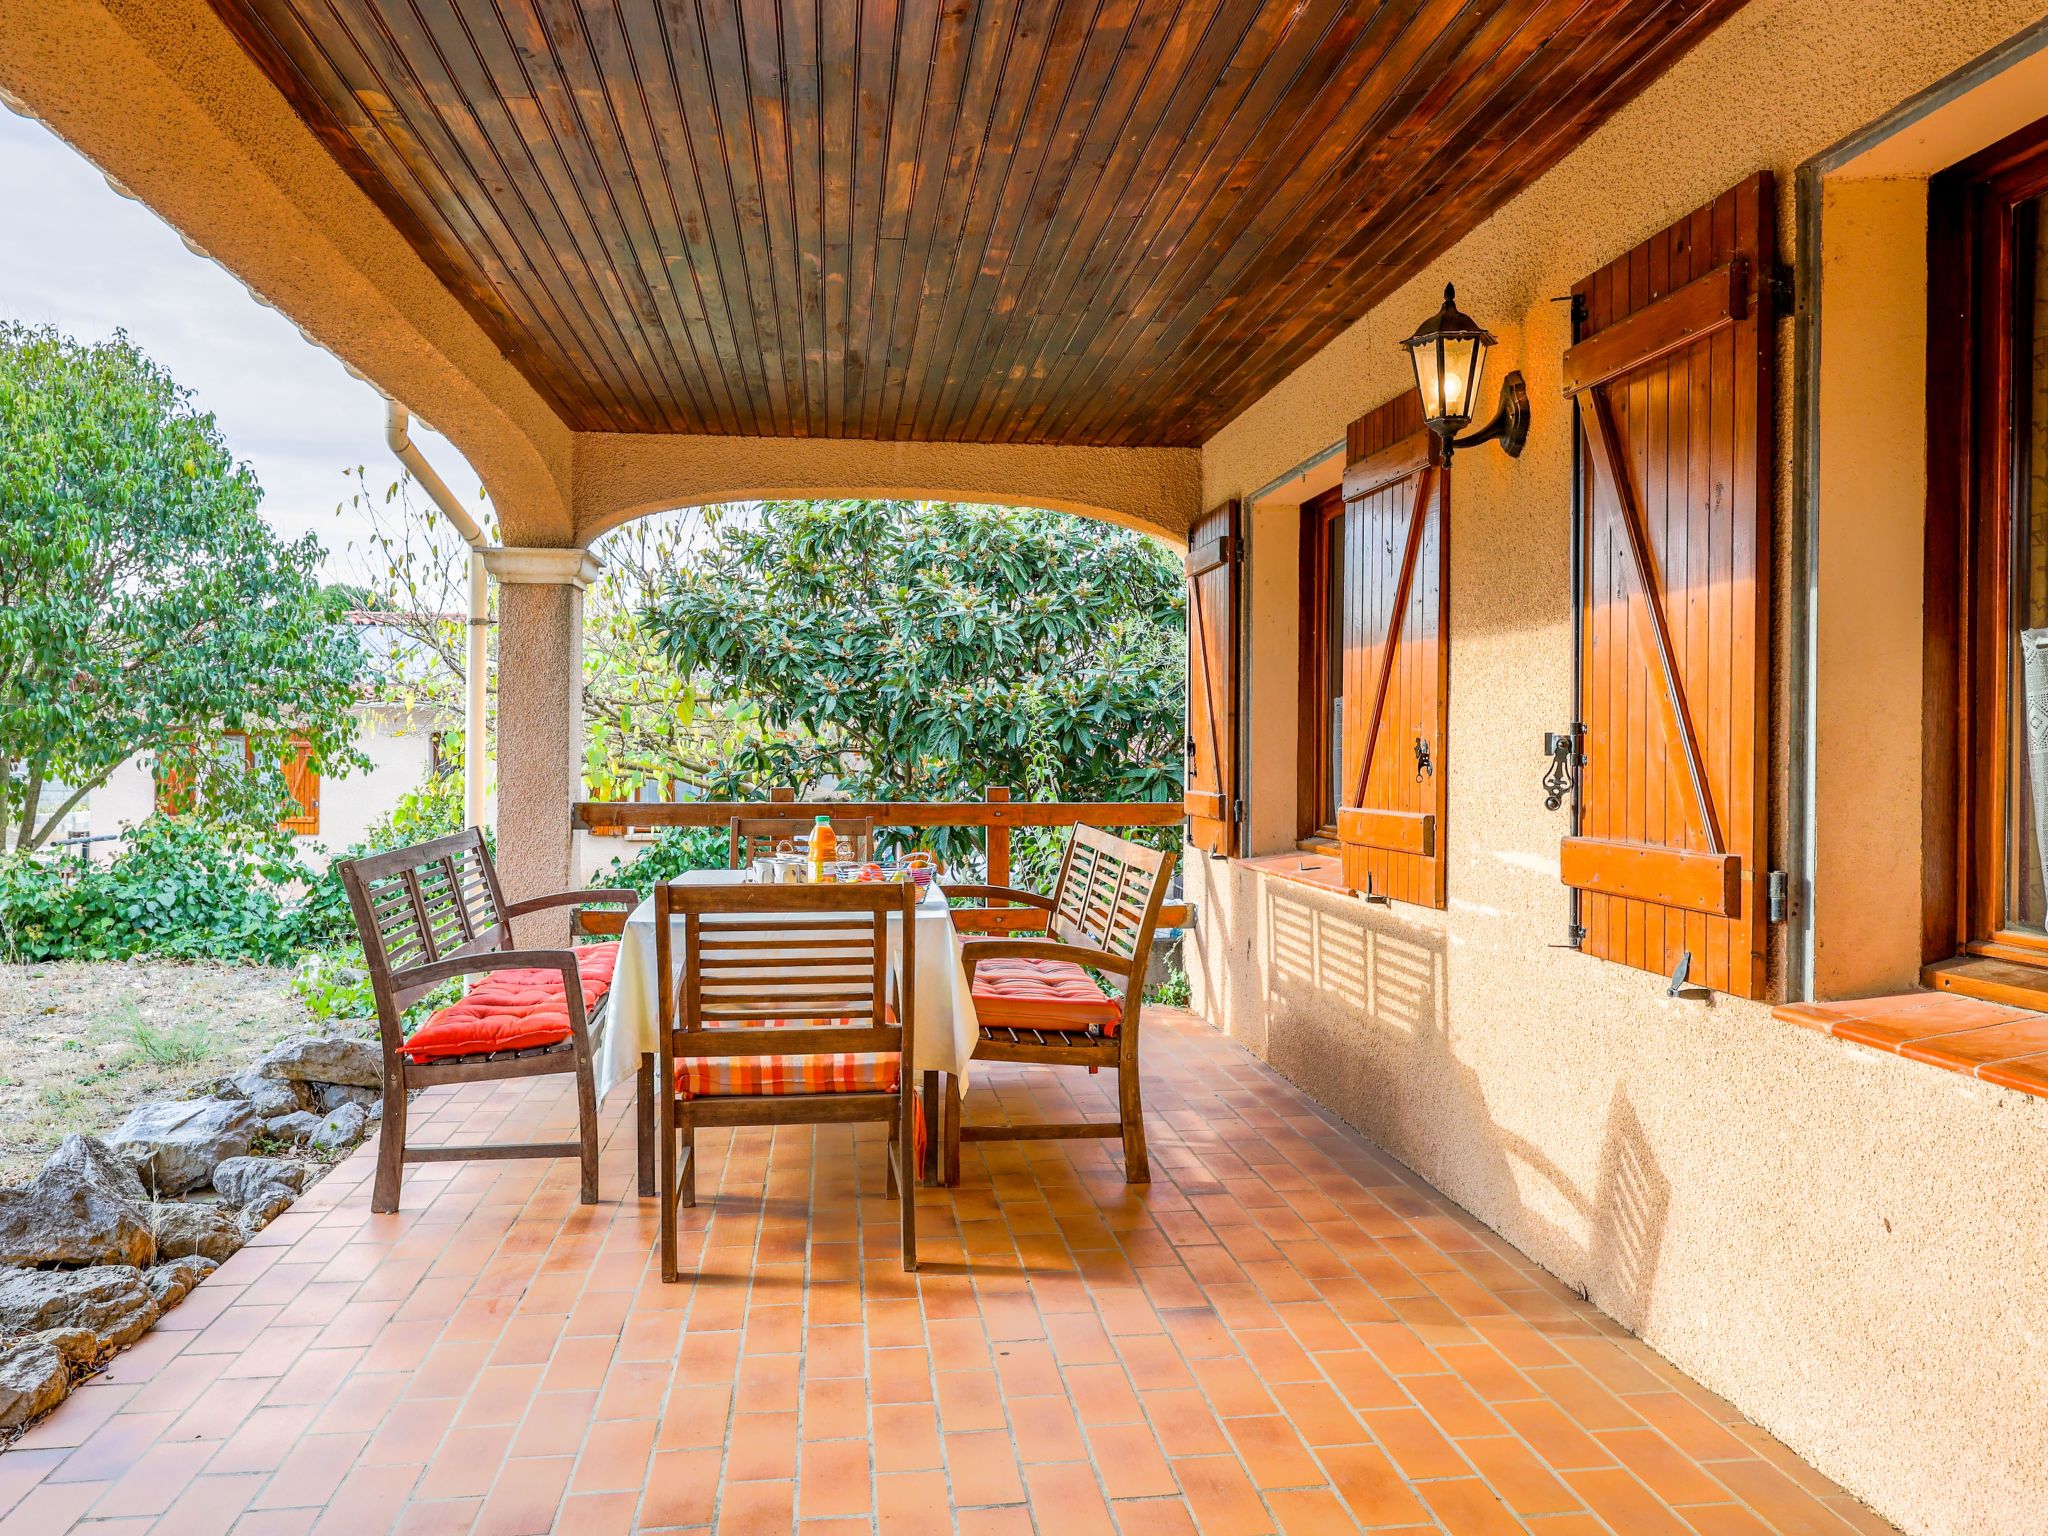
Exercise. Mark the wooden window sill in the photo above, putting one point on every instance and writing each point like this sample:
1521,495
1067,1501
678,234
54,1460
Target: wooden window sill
1997,1041
1324,871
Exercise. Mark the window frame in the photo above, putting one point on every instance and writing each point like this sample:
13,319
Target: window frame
1315,786
1975,407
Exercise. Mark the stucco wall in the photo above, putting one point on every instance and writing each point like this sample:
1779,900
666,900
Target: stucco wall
620,476
1849,1246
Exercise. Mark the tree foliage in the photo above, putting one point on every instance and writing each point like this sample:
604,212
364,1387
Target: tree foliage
144,604
925,651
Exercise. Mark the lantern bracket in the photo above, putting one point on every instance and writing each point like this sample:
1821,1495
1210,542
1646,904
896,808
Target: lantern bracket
1509,425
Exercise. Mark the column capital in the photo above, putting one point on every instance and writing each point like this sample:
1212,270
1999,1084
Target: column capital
576,568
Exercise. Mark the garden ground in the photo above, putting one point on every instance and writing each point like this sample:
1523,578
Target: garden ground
88,1042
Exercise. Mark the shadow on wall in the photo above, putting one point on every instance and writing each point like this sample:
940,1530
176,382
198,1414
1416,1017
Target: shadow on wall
1357,1017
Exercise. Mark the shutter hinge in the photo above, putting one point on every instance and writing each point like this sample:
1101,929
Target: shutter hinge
1778,897
1237,811
1784,285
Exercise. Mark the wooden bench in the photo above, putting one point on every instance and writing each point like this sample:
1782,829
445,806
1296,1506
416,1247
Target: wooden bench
1037,1003
434,912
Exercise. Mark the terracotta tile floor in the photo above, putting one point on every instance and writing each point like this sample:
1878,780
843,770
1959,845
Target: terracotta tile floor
1285,1332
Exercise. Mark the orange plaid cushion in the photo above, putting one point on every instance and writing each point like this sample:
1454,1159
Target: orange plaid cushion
705,1077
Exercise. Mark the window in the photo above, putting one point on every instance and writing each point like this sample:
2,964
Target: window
1375,662
301,782
1988,551
1322,666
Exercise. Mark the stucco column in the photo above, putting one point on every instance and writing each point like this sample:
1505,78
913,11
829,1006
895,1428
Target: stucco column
540,722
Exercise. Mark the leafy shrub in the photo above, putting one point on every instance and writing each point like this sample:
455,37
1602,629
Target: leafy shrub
176,889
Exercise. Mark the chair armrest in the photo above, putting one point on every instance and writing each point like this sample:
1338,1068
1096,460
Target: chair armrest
614,895
999,893
563,960
977,950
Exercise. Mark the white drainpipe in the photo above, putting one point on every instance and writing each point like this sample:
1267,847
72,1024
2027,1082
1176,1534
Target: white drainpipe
474,679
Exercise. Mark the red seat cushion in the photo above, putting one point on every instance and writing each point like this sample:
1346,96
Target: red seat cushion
1041,994
513,1010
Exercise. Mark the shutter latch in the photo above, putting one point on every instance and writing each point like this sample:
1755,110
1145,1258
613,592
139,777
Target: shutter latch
1561,778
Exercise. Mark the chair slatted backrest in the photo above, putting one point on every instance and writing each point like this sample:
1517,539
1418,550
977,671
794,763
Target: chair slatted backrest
755,837
413,906
738,962
1109,892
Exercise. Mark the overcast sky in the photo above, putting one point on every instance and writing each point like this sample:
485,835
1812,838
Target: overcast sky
77,255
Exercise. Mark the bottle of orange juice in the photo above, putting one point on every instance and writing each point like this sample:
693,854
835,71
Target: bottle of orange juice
824,847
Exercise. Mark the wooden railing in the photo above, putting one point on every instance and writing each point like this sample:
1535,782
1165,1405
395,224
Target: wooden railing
997,813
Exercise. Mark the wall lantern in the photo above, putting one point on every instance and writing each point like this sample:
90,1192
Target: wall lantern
1449,353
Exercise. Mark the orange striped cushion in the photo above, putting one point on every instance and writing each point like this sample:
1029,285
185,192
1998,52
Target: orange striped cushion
704,1077
1041,994
513,1010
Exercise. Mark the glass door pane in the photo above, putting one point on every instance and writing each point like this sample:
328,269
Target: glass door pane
2027,846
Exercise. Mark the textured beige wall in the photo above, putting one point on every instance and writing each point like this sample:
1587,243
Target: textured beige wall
620,476
1847,1245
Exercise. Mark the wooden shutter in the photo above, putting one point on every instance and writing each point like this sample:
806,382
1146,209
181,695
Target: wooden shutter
302,783
1672,376
1213,563
1390,818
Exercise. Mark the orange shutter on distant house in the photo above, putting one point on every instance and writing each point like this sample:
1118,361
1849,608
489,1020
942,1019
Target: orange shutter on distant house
1673,379
302,783
1213,562
1390,817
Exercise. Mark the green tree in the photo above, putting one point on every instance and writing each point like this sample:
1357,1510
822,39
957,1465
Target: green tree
144,604
925,651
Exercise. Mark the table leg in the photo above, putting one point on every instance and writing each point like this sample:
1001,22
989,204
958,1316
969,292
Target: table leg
928,1166
952,1138
643,1109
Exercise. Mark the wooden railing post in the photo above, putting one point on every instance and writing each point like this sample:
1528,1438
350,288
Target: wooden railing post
998,841
781,793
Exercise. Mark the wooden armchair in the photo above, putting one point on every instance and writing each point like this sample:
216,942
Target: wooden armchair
755,837
1035,1000
432,912
775,1009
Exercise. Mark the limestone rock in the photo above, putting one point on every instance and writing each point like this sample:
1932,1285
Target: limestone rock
78,1347
69,1215
274,1096
185,1231
272,1202
342,1129
295,1127
110,1301
175,1146
170,1283
328,1097
242,1180
101,1164
326,1059
34,1378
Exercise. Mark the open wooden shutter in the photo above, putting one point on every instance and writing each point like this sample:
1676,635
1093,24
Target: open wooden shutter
1673,377
302,783
1390,818
1214,559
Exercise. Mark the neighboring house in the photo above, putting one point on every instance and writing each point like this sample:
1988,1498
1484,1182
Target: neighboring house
407,743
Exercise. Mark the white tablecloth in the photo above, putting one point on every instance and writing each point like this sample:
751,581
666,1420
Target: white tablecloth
945,1029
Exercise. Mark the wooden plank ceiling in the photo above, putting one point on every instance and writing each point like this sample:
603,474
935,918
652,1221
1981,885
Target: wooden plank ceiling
1060,221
